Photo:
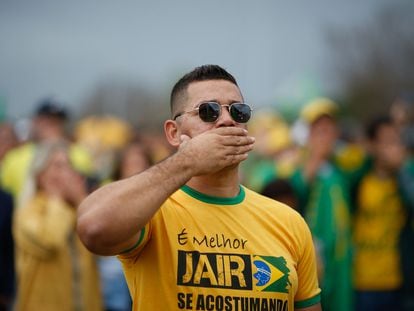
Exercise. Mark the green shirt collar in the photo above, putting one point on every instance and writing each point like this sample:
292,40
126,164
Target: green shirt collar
212,199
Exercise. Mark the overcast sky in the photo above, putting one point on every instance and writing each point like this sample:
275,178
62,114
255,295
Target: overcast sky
66,48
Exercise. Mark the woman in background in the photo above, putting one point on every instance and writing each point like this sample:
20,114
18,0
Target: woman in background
54,270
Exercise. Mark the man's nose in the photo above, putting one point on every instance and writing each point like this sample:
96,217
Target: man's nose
225,118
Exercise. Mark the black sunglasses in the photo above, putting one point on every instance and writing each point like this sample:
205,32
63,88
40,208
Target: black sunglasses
211,111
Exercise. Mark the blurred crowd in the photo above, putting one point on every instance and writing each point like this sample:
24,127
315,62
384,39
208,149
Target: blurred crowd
43,179
354,187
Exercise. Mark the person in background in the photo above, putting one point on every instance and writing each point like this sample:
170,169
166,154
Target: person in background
103,136
275,156
324,200
383,223
134,158
48,125
54,270
8,140
402,114
7,273
188,234
281,190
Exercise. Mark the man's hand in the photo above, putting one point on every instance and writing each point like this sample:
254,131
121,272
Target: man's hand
214,150
137,198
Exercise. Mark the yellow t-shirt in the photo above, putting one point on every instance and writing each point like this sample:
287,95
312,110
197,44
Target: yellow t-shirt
47,249
207,253
378,223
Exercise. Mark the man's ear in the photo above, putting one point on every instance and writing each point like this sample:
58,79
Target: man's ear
172,133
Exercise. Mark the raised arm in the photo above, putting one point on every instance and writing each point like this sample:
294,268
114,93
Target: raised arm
110,219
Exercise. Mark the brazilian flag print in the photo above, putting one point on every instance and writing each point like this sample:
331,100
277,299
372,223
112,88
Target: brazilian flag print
271,274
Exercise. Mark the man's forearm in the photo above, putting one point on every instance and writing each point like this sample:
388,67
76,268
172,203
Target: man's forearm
111,217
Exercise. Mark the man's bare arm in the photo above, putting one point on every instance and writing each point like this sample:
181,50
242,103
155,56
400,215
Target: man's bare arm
110,219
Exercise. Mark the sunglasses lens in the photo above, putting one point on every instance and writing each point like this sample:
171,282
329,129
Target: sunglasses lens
240,113
209,112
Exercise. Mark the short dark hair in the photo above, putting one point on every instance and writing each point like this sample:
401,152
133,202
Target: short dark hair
202,73
375,124
50,107
277,188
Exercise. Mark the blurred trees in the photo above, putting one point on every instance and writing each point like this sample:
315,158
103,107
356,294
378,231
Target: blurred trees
375,62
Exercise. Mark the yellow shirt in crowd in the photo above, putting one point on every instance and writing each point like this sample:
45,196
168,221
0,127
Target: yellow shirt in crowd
378,223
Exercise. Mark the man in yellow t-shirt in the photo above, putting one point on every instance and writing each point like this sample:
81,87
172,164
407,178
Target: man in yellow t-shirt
189,236
378,222
240,253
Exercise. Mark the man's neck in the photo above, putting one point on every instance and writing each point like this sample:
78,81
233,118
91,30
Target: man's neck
224,183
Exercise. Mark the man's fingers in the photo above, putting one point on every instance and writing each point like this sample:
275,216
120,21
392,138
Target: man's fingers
216,149
237,140
239,150
230,131
236,158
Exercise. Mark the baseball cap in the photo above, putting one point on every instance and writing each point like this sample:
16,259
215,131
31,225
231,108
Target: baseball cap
317,108
50,107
